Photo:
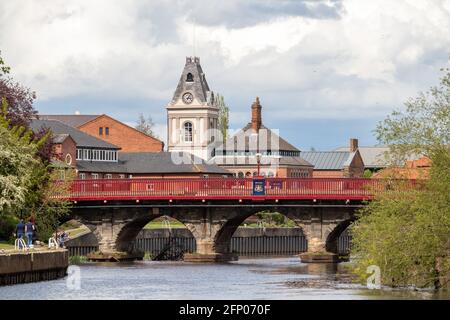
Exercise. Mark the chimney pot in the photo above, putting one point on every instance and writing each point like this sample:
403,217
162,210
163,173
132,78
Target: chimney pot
353,144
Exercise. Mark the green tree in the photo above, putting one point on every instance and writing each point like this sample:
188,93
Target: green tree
406,232
224,115
27,183
18,163
146,125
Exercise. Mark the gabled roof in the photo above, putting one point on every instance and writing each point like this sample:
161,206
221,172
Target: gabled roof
151,163
266,137
199,87
60,138
328,160
73,120
81,139
373,157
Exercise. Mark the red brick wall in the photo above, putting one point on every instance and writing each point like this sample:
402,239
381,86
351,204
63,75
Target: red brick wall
122,135
356,168
328,174
60,150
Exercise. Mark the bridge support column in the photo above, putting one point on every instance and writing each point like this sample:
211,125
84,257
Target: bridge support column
115,229
321,229
205,224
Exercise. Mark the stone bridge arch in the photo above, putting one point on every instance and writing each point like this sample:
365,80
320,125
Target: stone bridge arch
212,226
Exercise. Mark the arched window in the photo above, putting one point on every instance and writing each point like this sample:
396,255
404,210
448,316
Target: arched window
189,77
188,131
240,174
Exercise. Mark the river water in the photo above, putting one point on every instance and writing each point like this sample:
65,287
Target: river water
278,278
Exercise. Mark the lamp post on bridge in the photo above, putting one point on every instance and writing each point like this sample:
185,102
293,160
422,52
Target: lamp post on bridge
258,161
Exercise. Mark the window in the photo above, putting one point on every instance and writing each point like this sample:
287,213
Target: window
107,131
108,176
97,155
82,175
121,176
189,77
130,176
188,131
94,175
100,131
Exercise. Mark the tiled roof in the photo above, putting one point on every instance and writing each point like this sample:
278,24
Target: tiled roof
328,160
373,157
151,162
81,139
73,120
267,139
59,138
198,86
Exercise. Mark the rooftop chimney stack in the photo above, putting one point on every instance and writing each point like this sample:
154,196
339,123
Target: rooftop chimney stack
256,115
353,144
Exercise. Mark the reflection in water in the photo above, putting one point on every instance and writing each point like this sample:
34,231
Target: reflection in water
280,278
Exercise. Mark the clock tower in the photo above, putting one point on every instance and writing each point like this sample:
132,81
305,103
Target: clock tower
192,115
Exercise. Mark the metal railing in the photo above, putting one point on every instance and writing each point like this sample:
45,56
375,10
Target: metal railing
19,244
225,188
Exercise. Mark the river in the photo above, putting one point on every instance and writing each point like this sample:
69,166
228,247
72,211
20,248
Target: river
278,278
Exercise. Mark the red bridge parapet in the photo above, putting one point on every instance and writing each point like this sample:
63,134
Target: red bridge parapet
226,189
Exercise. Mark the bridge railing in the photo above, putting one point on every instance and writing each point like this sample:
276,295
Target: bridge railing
224,188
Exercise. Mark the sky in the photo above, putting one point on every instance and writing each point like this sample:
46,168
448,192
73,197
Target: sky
325,71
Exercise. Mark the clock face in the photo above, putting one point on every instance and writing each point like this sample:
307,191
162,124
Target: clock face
188,97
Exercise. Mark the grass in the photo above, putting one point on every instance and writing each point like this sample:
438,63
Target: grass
74,260
160,224
74,232
6,246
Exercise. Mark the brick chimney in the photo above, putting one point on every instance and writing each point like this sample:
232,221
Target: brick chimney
353,144
256,115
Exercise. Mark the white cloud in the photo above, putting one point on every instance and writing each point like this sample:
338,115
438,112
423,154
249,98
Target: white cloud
323,60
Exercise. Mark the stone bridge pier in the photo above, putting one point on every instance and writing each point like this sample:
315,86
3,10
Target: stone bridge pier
212,227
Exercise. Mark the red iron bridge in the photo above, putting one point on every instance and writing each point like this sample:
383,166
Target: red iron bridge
255,189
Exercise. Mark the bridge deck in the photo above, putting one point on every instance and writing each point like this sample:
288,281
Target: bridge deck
224,189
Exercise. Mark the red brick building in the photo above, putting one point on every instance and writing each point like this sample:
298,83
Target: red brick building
110,130
93,158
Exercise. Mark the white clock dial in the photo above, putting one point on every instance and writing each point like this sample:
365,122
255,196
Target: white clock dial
188,98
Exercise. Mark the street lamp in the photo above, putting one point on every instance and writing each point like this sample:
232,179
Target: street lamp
258,160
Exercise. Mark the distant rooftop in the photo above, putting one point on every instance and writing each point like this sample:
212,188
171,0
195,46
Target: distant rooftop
328,160
73,120
373,157
151,163
81,139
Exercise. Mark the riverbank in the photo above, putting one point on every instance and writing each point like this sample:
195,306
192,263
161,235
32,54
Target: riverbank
32,266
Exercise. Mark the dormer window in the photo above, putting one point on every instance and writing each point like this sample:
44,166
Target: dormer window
189,77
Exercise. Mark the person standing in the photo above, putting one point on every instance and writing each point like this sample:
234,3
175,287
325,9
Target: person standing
29,230
20,230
